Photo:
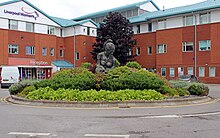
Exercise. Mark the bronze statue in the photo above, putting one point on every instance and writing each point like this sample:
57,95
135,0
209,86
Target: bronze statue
106,60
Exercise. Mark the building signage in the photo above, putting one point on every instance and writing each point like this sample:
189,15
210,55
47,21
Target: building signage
39,63
24,13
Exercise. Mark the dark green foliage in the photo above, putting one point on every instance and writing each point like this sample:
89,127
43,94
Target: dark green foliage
129,78
198,89
182,92
15,89
26,91
133,64
117,28
168,91
93,95
77,78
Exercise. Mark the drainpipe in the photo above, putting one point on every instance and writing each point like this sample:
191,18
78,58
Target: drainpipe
195,42
74,47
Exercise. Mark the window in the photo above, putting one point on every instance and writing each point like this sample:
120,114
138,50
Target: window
161,24
211,71
77,55
30,50
138,51
61,32
41,74
51,30
44,51
88,30
13,25
135,12
129,13
12,49
163,72
149,50
187,46
190,70
138,29
204,45
29,27
161,48
205,18
188,20
129,52
201,71
52,51
61,53
172,72
180,71
149,27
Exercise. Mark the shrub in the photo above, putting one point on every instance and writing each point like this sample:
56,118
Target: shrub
129,78
86,65
179,84
168,91
76,78
182,92
26,83
198,89
15,89
26,91
133,64
93,95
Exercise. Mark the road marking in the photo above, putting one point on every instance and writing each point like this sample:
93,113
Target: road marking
29,134
104,135
181,116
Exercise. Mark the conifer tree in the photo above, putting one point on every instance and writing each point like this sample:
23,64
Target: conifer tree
117,28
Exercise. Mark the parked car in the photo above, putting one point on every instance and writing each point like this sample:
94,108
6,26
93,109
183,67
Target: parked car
188,78
9,76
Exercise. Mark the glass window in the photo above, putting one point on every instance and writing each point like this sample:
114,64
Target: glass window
52,51
88,30
149,27
162,24
129,13
187,46
13,24
180,71
135,12
211,71
30,50
138,51
12,49
44,51
172,72
138,29
61,53
77,55
201,71
129,52
190,70
41,74
29,27
204,45
149,50
205,18
188,20
161,48
51,30
163,72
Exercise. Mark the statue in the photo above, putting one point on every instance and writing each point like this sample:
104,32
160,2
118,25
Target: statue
106,60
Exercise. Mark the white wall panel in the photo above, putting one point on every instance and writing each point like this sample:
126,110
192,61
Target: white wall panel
4,23
174,22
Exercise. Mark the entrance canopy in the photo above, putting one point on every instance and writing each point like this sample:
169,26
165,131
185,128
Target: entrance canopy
62,64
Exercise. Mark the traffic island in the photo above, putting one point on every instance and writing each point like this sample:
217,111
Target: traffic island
170,102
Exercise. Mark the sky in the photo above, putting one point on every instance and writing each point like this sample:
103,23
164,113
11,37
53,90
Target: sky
69,9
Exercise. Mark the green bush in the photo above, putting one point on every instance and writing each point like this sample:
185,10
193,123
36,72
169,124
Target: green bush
15,89
133,64
198,89
182,92
179,84
86,65
26,91
168,91
76,78
129,78
93,95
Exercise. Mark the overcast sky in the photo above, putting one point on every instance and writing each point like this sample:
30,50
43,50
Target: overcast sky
69,9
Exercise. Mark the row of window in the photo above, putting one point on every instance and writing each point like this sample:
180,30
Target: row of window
204,45
212,71
30,50
13,25
189,20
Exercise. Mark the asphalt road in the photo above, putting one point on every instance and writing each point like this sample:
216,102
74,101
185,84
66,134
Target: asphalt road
202,121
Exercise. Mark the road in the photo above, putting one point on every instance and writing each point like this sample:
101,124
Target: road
202,121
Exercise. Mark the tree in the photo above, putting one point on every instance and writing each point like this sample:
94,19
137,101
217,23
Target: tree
115,27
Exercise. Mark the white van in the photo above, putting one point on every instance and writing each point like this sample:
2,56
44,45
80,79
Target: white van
9,76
